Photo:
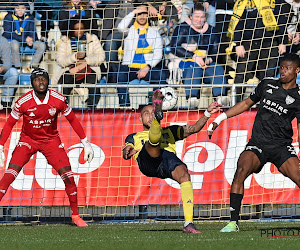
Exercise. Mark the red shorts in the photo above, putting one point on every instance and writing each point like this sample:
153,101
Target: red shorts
52,149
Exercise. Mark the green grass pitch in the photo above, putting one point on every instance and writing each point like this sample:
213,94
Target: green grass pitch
152,235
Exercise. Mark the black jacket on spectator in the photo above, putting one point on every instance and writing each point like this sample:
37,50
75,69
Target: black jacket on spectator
250,25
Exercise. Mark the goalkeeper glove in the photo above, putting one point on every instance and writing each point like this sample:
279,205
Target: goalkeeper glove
88,150
2,157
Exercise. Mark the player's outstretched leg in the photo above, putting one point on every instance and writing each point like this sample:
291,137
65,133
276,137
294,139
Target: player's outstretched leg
157,101
182,176
71,191
155,129
248,163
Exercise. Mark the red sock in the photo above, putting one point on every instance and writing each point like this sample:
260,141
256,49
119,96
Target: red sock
9,176
71,190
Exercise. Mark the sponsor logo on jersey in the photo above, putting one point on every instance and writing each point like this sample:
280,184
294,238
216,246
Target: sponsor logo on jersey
289,100
32,114
274,107
270,91
52,111
38,124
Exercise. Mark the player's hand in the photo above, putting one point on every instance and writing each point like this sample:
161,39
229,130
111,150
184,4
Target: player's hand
128,152
214,107
211,128
2,157
88,150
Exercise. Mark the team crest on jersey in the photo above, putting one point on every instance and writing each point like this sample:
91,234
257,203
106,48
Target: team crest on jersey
52,111
289,100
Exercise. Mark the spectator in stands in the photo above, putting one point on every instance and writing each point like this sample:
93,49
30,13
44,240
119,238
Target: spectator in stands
70,9
42,11
20,30
142,53
293,28
197,43
258,29
113,14
80,55
8,74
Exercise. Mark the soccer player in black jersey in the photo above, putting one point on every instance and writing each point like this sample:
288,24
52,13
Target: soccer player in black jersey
154,150
271,134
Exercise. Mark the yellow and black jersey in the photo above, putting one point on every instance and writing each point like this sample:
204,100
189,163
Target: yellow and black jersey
169,136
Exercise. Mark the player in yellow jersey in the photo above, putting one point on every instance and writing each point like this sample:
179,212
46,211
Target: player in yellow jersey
154,150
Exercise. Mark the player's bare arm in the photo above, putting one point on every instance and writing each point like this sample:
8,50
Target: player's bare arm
128,152
195,128
235,110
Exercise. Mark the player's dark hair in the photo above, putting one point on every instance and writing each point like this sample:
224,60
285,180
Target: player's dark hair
38,72
291,57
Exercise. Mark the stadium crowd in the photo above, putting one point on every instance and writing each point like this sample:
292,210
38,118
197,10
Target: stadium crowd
125,41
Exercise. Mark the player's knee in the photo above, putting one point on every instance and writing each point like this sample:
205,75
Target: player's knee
241,173
181,174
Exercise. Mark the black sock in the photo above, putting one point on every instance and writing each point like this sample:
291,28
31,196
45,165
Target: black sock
235,206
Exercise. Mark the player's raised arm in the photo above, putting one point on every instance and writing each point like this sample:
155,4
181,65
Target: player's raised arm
74,122
7,128
192,129
128,151
235,110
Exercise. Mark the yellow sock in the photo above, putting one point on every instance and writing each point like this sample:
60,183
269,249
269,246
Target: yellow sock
154,133
187,196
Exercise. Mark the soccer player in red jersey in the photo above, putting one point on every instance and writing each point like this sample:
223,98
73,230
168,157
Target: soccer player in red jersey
40,108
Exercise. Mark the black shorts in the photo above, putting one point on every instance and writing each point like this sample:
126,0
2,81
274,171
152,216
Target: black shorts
276,155
160,167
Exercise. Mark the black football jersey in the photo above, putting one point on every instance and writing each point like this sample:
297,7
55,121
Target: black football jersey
277,108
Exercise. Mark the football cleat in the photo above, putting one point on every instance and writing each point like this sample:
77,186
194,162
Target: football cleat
232,226
191,229
157,101
78,221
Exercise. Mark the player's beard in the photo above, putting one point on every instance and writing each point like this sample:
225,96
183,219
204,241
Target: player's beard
146,126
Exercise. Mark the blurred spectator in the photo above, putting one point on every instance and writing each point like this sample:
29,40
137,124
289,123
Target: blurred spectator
294,26
113,16
70,9
42,11
210,10
20,30
197,43
8,74
142,53
258,29
93,7
80,55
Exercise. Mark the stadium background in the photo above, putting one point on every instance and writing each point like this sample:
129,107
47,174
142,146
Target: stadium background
111,189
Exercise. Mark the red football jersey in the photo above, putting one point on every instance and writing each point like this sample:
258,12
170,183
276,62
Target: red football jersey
40,117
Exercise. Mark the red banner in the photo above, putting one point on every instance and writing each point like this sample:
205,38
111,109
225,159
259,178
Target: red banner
110,180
